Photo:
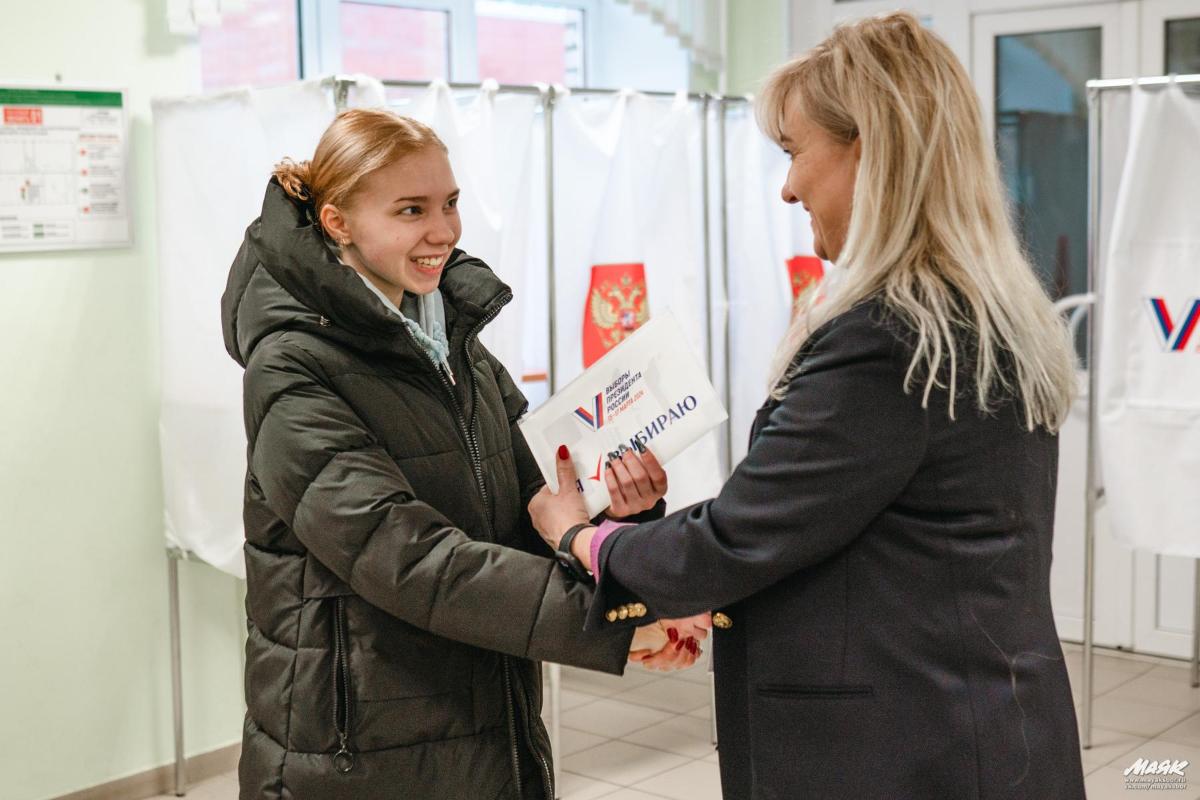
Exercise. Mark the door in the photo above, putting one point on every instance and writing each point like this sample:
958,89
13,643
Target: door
1030,68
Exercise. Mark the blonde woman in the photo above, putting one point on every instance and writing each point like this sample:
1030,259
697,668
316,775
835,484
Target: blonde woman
879,563
398,598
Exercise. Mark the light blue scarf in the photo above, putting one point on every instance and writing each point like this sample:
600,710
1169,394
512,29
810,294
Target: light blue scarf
425,317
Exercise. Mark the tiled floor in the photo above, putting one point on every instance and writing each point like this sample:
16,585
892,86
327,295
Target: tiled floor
646,736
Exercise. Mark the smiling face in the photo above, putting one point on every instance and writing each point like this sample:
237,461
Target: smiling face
401,224
821,177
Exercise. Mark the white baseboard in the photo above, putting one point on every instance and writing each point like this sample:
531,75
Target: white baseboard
161,780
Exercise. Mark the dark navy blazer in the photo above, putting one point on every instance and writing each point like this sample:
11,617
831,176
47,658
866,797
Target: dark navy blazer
887,574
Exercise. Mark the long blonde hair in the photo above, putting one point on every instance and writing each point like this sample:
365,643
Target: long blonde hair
355,144
930,231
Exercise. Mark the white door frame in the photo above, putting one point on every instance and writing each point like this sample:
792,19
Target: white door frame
1154,16
1116,49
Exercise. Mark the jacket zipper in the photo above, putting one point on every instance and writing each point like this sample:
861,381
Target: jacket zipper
477,463
343,760
547,777
468,429
512,728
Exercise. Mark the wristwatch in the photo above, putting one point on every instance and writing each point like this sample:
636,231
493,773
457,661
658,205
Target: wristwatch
568,560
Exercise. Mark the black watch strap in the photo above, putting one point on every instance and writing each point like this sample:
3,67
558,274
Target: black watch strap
568,560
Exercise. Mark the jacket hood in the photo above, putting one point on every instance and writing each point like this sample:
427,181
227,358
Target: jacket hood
285,277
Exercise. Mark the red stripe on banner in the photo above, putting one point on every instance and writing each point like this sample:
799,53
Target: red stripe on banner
1189,326
1164,318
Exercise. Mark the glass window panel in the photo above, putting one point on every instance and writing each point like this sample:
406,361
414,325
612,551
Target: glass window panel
1183,46
522,44
258,46
1041,139
393,42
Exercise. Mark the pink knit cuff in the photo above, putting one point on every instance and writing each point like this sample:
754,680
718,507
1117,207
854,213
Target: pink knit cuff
605,529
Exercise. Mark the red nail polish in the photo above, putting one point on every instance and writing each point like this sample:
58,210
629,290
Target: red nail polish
673,635
679,646
695,648
563,453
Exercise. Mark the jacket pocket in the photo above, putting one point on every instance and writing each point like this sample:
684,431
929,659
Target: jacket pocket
343,695
803,692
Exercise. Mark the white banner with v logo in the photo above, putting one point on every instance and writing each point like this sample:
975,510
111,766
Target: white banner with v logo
1149,364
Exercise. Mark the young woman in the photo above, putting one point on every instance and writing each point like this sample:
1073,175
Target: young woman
880,561
398,599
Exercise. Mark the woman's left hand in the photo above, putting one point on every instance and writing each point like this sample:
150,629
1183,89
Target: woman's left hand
634,484
553,513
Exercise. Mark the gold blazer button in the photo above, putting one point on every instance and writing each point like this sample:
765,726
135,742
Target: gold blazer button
611,616
721,621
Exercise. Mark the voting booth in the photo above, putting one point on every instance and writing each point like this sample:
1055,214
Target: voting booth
1143,358
601,209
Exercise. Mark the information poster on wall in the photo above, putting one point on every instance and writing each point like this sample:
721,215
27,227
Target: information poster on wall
62,169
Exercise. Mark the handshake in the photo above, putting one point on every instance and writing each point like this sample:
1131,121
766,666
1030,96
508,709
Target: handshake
670,644
635,484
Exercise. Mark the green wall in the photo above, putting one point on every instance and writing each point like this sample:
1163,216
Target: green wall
85,691
757,42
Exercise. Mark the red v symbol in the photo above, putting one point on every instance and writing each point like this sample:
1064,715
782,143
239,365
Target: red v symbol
596,477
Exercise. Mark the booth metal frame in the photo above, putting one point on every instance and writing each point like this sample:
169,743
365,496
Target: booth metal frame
340,85
1088,303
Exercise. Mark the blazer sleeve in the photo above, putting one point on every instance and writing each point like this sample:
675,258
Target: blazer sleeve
326,475
838,449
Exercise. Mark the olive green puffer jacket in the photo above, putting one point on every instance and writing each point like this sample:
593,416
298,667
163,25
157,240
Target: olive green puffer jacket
398,598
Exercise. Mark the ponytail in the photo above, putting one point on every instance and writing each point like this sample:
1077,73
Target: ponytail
295,178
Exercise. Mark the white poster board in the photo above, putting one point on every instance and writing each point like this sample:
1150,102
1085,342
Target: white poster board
63,179
648,391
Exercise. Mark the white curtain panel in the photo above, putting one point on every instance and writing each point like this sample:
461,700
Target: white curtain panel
213,158
764,232
1149,364
695,24
491,140
628,190
188,16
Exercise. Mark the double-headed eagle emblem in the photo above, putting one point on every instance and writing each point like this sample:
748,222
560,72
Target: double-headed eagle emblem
618,309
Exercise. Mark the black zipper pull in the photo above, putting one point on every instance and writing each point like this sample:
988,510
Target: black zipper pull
343,759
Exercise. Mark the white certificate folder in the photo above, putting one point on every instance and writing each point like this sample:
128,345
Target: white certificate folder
650,388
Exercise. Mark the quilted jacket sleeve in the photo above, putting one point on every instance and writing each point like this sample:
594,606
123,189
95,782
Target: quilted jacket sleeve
326,475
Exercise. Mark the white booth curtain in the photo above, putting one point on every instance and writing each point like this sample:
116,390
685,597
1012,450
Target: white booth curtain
628,191
188,16
695,24
629,234
213,157
771,265
491,140
1149,316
